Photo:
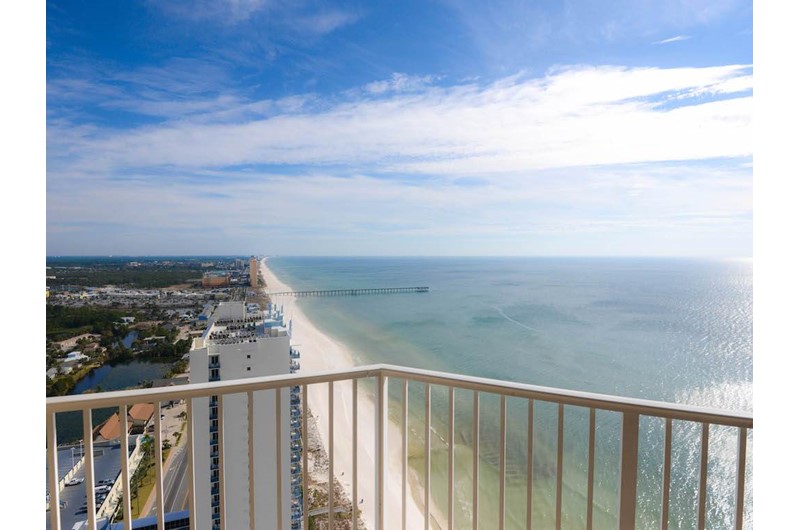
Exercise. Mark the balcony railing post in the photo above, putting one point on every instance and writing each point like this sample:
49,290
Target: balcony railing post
304,437
404,454
629,460
190,464
125,467
159,467
52,471
427,514
279,462
741,468
251,458
380,445
331,453
476,433
88,465
354,497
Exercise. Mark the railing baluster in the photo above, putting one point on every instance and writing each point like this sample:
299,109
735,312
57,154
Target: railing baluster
304,436
502,470
667,474
381,411
427,455
330,454
279,462
701,504
476,413
629,455
560,465
190,464
221,467
88,466
52,475
451,460
404,450
124,467
590,478
159,467
740,477
529,500
354,497
251,457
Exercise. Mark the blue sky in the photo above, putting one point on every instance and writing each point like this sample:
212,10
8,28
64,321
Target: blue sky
383,128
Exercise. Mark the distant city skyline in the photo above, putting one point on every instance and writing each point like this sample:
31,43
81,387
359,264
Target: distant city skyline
425,128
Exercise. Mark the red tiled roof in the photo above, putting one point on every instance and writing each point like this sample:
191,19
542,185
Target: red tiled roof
141,411
110,430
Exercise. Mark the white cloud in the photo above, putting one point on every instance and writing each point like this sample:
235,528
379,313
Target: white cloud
577,116
325,22
399,83
581,151
676,38
228,11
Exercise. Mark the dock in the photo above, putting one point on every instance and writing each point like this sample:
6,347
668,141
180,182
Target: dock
352,292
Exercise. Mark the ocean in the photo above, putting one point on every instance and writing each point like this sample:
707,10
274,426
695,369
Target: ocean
674,330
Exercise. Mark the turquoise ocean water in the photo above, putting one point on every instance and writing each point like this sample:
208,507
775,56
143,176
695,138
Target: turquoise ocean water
663,329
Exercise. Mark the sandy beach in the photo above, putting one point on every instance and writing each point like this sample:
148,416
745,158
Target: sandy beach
318,352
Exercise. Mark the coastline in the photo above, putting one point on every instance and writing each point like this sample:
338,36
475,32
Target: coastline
318,352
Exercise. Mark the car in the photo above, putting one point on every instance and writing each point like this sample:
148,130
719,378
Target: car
102,489
74,481
107,482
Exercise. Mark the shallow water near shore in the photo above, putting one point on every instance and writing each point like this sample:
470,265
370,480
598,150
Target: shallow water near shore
663,329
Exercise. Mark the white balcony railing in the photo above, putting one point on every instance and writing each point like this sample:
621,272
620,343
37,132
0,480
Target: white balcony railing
631,411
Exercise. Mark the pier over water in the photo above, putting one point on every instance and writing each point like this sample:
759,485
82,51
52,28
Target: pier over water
352,292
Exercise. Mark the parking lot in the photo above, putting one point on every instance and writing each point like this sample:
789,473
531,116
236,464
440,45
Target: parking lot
106,467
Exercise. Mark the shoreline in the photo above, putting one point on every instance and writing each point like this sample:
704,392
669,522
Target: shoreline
319,352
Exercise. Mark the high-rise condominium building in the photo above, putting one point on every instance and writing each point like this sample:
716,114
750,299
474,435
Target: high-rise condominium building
253,271
237,345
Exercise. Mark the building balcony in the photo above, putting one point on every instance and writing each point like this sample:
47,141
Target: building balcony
496,427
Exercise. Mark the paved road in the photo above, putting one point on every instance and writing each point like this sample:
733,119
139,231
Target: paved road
176,483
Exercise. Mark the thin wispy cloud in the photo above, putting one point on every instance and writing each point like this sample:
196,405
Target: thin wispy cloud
676,38
222,11
399,83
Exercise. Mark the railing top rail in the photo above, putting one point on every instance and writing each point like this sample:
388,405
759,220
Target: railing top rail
195,390
508,388
574,397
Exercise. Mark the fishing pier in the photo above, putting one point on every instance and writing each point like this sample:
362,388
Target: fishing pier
352,292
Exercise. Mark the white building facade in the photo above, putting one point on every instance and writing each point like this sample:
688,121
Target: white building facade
238,344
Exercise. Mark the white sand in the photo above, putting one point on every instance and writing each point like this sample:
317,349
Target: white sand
318,352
